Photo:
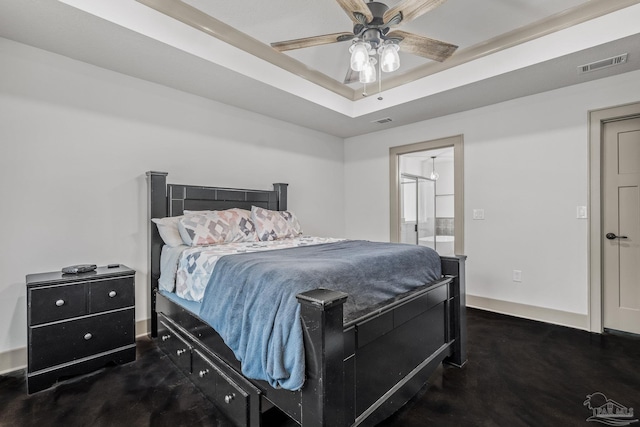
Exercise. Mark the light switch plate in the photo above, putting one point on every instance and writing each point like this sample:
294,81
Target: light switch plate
517,275
478,214
581,212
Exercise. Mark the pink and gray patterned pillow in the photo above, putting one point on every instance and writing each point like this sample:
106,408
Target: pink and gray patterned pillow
245,227
214,227
274,225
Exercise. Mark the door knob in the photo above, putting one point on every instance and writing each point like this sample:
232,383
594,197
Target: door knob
612,236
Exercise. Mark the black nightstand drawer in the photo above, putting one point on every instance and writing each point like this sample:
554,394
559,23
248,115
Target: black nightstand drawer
111,294
56,303
71,340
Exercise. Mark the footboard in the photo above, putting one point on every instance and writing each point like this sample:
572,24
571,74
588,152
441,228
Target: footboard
364,371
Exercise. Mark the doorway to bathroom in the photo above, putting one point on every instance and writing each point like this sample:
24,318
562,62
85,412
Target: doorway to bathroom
427,195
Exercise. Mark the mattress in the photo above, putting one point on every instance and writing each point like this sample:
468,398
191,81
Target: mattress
192,306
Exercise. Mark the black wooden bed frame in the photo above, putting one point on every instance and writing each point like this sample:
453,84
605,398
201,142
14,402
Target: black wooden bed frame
357,373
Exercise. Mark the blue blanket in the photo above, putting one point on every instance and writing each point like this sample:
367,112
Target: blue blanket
251,298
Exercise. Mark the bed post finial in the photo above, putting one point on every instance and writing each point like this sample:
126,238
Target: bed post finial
281,189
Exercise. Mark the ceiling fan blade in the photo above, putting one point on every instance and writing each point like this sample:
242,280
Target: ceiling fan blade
351,77
311,41
411,9
423,46
351,7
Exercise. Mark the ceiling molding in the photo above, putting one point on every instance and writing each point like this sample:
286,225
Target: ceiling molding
552,24
199,20
179,10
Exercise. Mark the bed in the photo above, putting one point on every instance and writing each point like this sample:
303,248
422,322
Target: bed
358,370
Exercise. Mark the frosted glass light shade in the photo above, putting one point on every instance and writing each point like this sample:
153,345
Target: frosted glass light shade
389,58
368,72
359,55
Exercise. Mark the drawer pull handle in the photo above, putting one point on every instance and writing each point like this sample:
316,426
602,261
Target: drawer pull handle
165,337
60,302
88,336
229,397
202,373
112,294
181,352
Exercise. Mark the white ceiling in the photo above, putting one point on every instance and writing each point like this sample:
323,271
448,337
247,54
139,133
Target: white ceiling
548,40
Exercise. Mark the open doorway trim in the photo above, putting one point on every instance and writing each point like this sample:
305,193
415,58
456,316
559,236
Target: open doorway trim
597,119
457,142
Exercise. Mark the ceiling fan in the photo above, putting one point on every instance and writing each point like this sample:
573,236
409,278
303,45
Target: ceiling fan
372,35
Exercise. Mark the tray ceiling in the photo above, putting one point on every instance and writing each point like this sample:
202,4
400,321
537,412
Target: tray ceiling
221,51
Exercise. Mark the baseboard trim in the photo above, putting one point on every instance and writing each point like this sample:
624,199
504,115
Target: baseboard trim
14,360
142,327
542,314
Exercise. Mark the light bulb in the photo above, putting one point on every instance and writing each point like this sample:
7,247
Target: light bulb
434,175
368,72
389,58
359,55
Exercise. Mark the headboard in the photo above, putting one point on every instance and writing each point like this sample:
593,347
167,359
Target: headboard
172,200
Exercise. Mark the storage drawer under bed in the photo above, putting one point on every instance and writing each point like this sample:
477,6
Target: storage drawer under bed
174,345
228,396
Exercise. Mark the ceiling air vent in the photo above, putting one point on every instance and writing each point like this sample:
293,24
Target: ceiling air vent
609,62
381,121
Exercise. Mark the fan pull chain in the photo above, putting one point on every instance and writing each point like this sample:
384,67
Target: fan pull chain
380,79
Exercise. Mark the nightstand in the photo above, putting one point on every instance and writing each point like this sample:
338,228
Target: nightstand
77,323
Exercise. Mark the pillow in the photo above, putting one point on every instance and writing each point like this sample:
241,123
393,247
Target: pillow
245,229
214,227
168,229
274,225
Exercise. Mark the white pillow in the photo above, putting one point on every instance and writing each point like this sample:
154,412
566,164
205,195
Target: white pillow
168,229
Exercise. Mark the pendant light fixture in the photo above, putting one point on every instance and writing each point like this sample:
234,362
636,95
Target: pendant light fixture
434,175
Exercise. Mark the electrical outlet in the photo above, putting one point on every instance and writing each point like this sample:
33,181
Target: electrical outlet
517,275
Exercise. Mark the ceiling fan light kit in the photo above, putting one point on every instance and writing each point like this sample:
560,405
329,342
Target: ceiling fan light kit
359,55
372,36
389,58
368,72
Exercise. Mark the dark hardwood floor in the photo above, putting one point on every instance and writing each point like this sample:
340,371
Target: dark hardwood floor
519,373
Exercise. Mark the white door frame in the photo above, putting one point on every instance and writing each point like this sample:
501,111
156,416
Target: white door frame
457,142
597,119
